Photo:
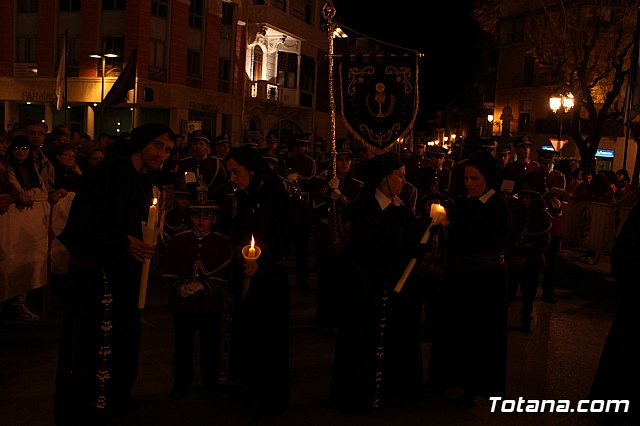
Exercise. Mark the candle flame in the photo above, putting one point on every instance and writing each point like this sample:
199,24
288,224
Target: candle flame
253,242
155,201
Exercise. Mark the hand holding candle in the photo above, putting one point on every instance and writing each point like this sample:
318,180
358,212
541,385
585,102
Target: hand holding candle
438,216
251,253
149,238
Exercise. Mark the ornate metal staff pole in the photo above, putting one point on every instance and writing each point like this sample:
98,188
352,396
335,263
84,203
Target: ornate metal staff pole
328,11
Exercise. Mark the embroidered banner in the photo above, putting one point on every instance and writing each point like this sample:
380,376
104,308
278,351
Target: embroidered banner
379,97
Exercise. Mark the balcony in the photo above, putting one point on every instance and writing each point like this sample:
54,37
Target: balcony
262,90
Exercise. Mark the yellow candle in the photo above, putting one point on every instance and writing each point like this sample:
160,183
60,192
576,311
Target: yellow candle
252,249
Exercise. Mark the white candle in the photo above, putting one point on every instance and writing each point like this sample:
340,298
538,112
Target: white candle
152,219
148,238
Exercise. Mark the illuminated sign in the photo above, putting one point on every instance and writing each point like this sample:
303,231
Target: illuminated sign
547,148
605,153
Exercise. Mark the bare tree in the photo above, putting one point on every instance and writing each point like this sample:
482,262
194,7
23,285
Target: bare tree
584,46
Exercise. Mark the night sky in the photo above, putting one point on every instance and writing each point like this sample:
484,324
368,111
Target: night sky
443,31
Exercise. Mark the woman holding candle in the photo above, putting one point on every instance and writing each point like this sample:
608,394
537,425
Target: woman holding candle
260,339
378,358
98,360
469,349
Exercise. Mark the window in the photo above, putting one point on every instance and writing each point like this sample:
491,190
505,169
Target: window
527,75
224,75
518,31
193,63
156,54
26,49
307,73
69,6
257,63
157,65
116,45
287,70
27,6
114,4
303,9
226,27
524,119
160,8
195,14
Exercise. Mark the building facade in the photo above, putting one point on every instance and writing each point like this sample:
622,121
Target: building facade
523,90
241,67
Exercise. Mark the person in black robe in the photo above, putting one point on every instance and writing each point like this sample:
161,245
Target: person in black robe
261,210
469,348
371,368
100,337
617,374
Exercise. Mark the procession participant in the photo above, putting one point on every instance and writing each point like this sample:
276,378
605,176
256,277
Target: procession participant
208,171
378,357
260,336
100,338
416,162
553,197
435,178
200,261
516,170
177,219
300,169
530,237
222,145
469,349
331,205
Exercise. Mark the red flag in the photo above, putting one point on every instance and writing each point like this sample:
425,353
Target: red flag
125,82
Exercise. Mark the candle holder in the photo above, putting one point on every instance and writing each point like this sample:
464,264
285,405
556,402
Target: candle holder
249,260
149,236
438,216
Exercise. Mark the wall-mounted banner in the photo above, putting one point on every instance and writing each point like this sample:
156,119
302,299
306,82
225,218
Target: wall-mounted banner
379,97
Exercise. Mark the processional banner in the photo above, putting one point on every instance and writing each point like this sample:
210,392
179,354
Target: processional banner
379,97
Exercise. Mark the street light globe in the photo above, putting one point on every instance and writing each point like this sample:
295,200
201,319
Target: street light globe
490,118
555,102
568,102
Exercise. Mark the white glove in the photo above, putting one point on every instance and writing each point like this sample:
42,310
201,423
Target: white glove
186,290
334,183
335,194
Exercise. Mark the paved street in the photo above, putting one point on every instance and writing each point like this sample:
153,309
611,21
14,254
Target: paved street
557,361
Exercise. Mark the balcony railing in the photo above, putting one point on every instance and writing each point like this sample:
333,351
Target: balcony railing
263,90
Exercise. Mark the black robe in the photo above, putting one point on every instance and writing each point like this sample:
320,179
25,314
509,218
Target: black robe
112,203
381,244
260,330
618,374
470,346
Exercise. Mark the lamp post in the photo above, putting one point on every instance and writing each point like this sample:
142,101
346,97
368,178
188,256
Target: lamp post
560,105
103,57
490,125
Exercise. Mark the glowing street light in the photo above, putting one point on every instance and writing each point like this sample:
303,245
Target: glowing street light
560,105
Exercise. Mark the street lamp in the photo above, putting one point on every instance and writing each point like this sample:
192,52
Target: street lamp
560,105
103,57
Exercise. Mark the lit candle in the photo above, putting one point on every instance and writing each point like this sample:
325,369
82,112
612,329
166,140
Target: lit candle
252,249
149,238
438,214
153,217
